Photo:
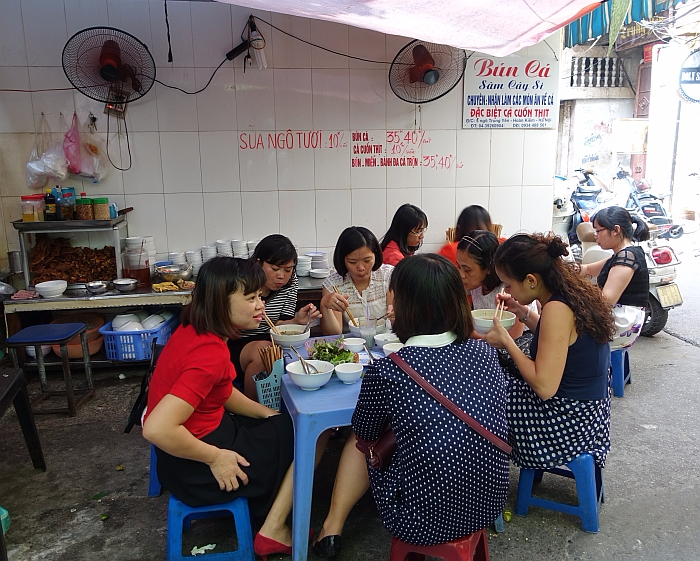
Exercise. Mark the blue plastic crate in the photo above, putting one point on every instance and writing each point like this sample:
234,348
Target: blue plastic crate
135,345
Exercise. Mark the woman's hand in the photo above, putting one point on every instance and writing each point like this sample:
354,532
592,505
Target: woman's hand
306,314
226,469
335,302
390,312
498,337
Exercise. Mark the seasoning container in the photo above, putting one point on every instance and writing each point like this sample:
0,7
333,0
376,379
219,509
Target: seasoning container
83,209
51,208
32,208
67,206
100,208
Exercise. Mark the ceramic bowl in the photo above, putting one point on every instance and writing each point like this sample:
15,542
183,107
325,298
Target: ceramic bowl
382,339
349,372
319,273
123,319
51,289
130,326
310,382
124,285
166,314
45,349
293,336
391,347
483,320
354,344
151,322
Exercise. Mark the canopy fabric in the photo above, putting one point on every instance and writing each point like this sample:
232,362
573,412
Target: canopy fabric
495,27
597,22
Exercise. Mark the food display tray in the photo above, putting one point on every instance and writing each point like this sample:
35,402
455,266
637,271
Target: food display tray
63,225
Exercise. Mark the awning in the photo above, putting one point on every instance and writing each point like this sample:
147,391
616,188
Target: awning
496,27
597,22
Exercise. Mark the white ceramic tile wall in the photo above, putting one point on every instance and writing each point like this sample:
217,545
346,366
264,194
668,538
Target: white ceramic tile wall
209,166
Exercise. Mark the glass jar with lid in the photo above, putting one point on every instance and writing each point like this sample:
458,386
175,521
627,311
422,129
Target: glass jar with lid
100,208
32,207
83,209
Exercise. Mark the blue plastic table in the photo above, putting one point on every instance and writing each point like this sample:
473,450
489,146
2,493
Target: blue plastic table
312,413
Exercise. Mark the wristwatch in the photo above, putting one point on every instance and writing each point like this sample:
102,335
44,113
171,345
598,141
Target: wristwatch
525,318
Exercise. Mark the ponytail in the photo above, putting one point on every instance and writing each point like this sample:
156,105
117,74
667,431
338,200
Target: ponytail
631,227
641,230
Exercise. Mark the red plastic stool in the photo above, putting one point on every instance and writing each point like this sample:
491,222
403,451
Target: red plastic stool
473,547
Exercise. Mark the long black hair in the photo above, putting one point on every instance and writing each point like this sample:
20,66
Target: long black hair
631,226
472,218
407,218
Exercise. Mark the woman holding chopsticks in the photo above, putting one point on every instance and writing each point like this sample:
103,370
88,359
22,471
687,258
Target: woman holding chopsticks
359,284
277,257
213,443
560,407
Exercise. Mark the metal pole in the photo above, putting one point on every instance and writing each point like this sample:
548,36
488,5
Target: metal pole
673,160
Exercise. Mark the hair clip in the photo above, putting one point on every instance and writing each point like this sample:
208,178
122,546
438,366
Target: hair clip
472,241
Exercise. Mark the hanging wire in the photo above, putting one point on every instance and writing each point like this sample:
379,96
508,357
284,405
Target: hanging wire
200,89
128,145
167,26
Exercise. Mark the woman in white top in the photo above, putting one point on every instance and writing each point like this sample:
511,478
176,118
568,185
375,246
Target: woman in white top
362,279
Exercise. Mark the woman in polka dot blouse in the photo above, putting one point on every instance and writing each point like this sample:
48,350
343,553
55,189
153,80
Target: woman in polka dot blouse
560,407
445,481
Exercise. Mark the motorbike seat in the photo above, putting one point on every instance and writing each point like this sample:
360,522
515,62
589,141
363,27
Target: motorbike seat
586,232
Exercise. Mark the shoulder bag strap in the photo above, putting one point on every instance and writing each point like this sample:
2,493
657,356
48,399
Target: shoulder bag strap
428,387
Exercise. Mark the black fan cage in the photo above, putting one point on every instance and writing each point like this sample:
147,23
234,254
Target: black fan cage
449,61
81,63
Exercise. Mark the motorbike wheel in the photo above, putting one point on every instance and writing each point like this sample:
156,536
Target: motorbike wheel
675,232
655,318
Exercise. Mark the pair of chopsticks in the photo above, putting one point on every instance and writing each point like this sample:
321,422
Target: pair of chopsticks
499,307
352,318
273,327
269,355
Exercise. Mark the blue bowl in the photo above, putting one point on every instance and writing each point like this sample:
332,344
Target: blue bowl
163,263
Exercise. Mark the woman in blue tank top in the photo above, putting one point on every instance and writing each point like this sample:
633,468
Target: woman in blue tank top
560,407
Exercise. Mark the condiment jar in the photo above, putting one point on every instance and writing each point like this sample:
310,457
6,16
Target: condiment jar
67,206
100,208
83,209
32,208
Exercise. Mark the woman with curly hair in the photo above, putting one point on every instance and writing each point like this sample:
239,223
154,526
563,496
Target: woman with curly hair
560,407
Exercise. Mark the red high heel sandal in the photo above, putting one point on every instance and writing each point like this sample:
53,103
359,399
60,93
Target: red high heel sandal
264,546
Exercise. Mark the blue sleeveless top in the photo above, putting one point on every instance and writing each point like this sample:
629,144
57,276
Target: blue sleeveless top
587,365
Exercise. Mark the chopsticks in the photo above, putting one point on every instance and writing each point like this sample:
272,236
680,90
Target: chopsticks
499,307
269,355
273,328
352,318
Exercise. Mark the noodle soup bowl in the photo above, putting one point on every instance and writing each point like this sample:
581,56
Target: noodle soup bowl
483,320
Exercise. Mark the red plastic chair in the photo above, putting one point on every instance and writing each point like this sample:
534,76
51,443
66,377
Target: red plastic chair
473,547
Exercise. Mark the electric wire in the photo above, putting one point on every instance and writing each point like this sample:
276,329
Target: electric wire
128,145
199,90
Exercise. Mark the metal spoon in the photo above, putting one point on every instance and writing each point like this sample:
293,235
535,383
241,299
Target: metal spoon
306,365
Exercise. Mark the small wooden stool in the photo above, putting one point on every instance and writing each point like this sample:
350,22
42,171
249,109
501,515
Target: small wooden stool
473,547
13,390
55,334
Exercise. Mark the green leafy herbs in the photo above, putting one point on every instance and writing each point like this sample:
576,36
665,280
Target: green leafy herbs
331,351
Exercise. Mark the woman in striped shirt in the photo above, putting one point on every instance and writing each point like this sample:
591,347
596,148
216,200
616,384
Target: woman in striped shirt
278,258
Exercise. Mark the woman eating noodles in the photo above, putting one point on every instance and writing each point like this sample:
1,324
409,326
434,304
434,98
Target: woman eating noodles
277,258
361,278
560,407
213,443
405,235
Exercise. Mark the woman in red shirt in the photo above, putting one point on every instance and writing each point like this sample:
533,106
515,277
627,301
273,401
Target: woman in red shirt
405,235
212,442
472,218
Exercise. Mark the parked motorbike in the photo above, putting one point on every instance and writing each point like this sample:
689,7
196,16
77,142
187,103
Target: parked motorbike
662,261
649,206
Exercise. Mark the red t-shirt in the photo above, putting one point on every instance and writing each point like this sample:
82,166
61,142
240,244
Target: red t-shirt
392,254
450,251
198,370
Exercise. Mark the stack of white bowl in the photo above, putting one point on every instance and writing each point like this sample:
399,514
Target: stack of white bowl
145,242
251,246
208,252
303,265
194,258
319,259
223,247
177,257
240,248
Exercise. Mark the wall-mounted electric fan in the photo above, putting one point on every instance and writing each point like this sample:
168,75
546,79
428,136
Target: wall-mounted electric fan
108,65
423,72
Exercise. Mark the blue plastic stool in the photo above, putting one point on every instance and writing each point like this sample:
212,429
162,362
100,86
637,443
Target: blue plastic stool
153,482
55,334
180,516
589,488
621,373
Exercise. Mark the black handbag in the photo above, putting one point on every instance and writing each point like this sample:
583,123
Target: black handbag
142,399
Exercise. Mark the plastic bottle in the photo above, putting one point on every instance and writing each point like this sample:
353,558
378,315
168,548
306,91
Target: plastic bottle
67,206
51,210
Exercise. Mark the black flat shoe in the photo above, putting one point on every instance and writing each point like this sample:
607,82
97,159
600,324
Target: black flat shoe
328,546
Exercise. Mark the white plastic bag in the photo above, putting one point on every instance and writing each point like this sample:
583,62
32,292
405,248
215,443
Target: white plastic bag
54,157
93,154
36,173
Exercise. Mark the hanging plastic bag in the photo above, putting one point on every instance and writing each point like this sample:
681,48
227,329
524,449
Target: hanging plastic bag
36,173
93,154
71,146
54,158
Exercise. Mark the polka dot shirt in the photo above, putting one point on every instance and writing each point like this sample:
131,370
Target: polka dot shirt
445,481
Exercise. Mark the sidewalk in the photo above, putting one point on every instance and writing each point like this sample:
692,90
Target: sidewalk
652,486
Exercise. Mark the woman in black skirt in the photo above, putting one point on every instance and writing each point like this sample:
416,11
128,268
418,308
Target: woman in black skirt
213,443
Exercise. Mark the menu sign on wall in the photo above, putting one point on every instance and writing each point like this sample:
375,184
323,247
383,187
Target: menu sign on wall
510,93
